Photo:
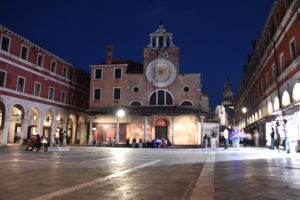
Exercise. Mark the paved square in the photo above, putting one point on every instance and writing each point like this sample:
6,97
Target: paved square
126,173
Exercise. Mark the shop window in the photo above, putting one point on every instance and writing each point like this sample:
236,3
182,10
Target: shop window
270,108
5,43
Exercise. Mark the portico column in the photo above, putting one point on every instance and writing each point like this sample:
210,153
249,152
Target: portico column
5,129
91,130
25,127
53,131
202,128
173,130
157,42
165,42
151,41
42,124
117,136
145,128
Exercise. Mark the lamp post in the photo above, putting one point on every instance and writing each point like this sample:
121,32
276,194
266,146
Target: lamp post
120,113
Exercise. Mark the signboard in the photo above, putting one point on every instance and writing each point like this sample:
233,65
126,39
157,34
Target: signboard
160,122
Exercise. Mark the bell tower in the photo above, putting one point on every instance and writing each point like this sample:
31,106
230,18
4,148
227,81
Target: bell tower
161,46
227,95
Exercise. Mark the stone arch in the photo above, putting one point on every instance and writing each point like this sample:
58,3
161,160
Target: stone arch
61,121
72,126
276,104
296,92
48,121
259,114
256,116
285,99
16,128
186,103
82,131
34,118
270,108
161,97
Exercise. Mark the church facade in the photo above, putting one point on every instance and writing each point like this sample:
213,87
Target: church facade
157,100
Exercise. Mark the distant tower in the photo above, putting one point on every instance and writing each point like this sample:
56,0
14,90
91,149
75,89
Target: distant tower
227,94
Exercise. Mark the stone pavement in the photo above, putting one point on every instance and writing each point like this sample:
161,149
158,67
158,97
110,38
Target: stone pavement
125,173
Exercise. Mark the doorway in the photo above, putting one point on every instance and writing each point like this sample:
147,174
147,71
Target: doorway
161,129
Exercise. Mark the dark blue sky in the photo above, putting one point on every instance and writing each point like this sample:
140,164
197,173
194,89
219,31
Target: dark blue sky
214,37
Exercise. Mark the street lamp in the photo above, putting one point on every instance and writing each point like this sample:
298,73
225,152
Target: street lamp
120,113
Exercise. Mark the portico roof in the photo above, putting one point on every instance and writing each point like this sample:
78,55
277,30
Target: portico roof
148,110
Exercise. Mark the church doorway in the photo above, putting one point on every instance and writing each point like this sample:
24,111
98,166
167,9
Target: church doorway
161,129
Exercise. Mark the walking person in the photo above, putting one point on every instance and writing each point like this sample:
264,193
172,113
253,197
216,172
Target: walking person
287,144
205,141
236,138
277,136
272,138
61,138
226,138
256,138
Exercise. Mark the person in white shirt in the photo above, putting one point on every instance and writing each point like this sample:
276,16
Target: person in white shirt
226,138
287,144
256,138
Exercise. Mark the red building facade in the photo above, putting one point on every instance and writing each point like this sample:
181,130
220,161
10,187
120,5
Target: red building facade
270,89
40,92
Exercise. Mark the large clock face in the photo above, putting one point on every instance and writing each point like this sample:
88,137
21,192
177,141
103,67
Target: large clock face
161,72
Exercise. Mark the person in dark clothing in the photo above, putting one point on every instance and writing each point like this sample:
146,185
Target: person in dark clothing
61,138
272,139
128,142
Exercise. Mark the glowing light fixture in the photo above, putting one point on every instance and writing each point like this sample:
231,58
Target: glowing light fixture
244,109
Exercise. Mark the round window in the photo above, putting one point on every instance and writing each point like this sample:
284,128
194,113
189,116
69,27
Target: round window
136,89
186,89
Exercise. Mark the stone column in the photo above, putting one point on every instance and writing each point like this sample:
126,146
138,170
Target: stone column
91,130
173,130
53,131
151,41
202,128
157,42
165,42
171,42
145,128
42,124
25,127
5,129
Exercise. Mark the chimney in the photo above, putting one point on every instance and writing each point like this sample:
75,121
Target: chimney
109,48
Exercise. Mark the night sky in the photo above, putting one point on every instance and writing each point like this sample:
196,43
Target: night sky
214,37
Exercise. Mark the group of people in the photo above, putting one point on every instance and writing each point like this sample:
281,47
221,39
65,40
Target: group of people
36,143
62,139
157,143
280,136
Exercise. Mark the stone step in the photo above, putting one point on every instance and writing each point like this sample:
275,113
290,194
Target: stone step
66,148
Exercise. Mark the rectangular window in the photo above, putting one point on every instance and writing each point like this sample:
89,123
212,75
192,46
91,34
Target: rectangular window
118,73
281,62
37,89
98,74
63,97
40,60
274,71
21,84
2,78
75,76
73,100
267,80
24,52
97,94
5,43
51,93
117,94
262,86
293,50
53,66
64,72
